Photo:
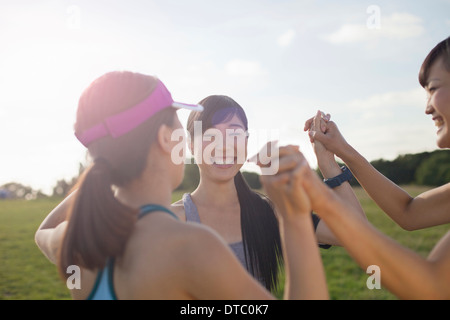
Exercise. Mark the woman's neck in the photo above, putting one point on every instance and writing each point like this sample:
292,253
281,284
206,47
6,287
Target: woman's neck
155,190
215,193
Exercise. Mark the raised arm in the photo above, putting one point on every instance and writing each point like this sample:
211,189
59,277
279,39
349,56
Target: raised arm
330,169
403,272
303,264
49,234
430,208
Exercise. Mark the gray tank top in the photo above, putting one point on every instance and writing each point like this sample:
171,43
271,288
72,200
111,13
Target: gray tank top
192,215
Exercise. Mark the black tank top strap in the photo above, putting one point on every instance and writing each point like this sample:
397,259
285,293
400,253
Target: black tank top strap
148,208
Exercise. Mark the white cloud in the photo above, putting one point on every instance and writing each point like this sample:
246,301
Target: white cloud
244,76
389,102
395,27
388,124
244,68
401,26
286,38
348,33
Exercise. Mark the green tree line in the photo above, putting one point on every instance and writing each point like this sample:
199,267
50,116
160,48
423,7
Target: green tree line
426,168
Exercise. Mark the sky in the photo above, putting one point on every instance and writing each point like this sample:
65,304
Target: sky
281,60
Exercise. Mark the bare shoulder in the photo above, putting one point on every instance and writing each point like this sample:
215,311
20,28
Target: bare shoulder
211,270
193,261
163,253
197,245
189,244
175,236
198,238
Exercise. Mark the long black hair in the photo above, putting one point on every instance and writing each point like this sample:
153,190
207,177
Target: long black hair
259,225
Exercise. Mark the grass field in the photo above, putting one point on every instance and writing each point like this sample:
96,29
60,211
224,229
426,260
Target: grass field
26,274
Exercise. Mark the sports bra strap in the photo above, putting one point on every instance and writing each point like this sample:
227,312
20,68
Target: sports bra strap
146,209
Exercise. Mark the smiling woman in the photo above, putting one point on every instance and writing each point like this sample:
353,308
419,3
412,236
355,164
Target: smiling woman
434,76
223,200
431,208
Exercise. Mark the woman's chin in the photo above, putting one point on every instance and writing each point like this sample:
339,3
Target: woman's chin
443,138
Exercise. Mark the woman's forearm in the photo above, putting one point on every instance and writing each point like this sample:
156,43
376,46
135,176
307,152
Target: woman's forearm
49,240
331,169
305,276
403,272
392,199
59,213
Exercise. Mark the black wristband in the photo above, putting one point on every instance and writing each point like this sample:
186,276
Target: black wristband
346,175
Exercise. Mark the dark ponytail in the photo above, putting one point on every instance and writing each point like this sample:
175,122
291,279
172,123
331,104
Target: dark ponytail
260,234
99,224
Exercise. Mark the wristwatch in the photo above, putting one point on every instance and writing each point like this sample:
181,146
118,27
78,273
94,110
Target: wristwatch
346,175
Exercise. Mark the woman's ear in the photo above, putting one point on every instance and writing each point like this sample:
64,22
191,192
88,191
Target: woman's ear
165,138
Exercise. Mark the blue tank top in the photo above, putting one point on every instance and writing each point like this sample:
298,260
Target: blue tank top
104,285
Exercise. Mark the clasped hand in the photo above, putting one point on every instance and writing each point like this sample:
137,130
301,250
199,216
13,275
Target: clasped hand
285,188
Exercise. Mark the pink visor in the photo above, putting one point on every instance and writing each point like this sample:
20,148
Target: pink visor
123,122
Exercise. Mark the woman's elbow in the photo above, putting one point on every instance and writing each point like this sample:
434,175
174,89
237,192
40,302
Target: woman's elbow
42,238
38,239
409,224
